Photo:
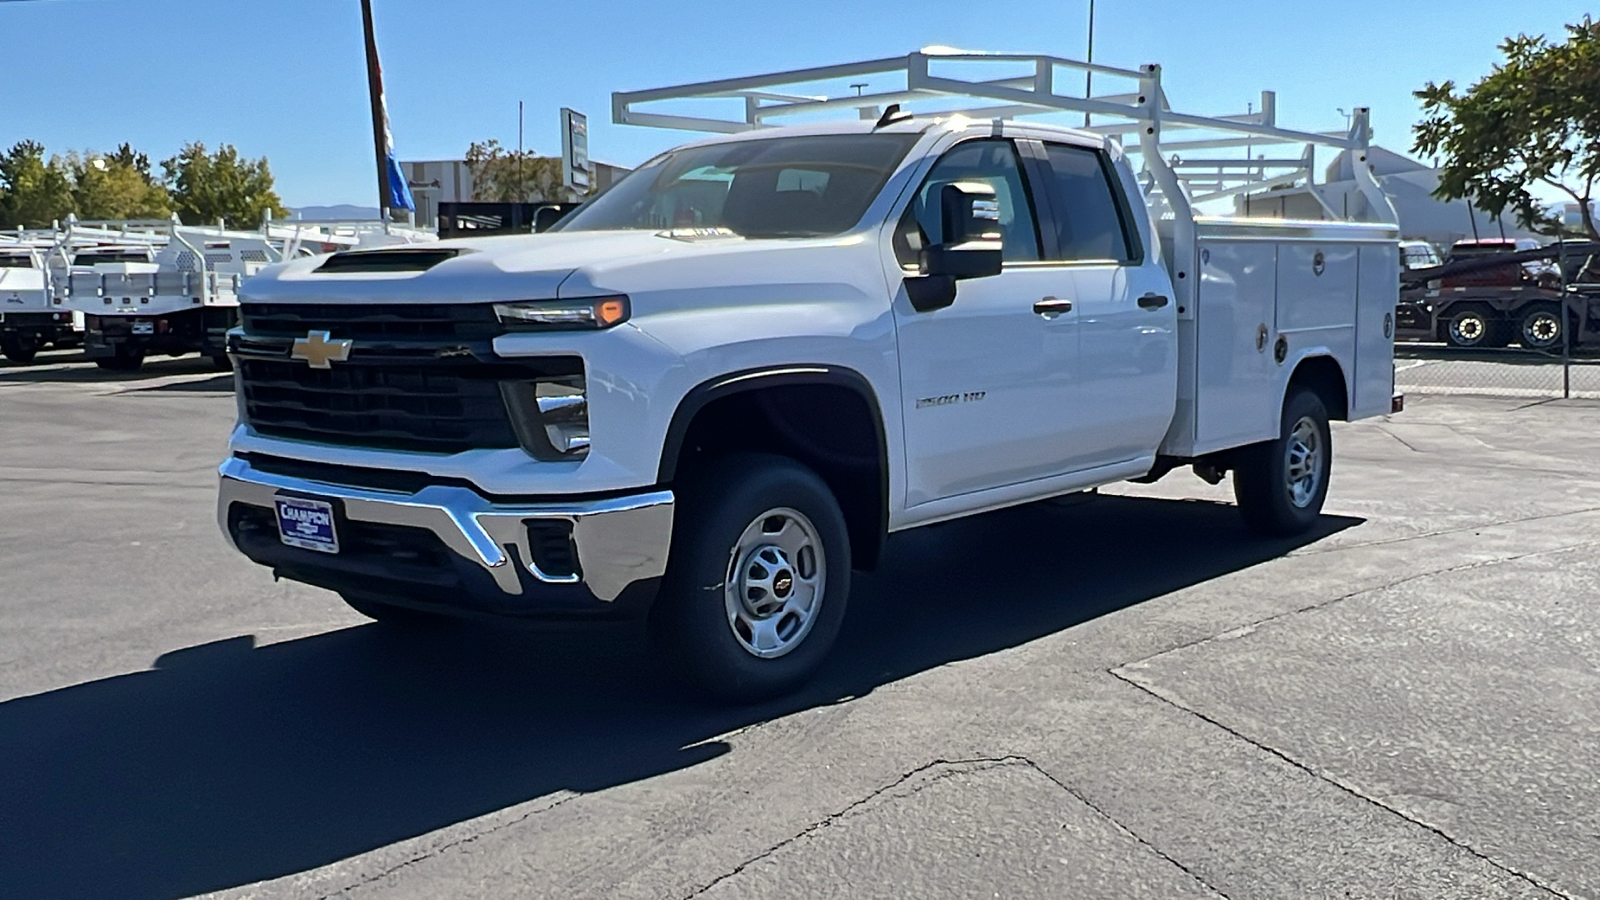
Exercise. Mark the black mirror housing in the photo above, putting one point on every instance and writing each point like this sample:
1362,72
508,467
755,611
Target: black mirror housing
969,211
970,217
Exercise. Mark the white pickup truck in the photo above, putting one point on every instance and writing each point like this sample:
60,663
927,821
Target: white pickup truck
713,391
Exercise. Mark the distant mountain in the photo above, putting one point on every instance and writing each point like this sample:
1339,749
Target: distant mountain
329,213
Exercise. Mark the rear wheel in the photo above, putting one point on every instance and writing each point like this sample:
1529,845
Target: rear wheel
19,348
1474,325
123,360
1540,327
756,586
1281,484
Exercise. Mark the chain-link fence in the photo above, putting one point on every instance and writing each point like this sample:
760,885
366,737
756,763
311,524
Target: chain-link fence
1524,328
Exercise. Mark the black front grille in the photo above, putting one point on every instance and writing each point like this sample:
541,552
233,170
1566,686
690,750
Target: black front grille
429,408
445,322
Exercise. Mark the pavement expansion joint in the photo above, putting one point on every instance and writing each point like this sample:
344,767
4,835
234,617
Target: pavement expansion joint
1349,789
398,867
1444,532
929,774
1403,441
1249,627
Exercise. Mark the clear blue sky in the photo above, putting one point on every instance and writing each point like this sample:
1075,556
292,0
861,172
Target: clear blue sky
285,78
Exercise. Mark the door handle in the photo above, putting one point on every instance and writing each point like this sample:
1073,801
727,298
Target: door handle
1050,307
1152,301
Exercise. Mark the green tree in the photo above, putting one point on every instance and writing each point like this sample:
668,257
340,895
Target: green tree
116,186
33,192
208,186
510,176
1534,120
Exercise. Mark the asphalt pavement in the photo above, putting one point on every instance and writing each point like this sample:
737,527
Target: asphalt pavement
1123,697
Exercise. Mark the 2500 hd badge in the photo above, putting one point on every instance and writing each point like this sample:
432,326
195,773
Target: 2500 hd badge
947,399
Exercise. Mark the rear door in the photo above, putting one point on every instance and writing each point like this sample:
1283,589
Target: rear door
986,382
1126,387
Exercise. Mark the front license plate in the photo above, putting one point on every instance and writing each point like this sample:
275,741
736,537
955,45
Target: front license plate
144,328
307,524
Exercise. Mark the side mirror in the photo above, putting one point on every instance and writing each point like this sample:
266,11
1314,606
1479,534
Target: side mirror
970,221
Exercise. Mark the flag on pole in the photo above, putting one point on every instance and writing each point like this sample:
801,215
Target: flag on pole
399,189
393,191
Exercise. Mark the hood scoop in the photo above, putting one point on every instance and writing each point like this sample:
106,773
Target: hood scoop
369,261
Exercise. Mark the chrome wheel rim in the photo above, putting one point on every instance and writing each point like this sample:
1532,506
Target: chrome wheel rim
777,572
1303,470
1542,329
1469,328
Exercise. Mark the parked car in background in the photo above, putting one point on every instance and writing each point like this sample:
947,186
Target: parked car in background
1418,255
1539,273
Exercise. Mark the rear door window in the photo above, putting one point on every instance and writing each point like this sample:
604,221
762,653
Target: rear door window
1089,217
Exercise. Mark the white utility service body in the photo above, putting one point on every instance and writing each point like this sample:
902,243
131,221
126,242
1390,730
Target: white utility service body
178,290
27,321
672,367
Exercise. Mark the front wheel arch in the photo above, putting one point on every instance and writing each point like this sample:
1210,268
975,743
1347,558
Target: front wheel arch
766,411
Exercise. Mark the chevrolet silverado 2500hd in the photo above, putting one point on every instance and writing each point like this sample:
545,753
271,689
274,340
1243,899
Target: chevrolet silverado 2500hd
710,393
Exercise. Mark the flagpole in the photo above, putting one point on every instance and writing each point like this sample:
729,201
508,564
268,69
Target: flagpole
375,89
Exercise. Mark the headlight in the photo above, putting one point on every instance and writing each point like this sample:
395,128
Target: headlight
551,416
589,313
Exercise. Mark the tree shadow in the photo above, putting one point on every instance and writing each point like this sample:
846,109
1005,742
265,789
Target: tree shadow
229,763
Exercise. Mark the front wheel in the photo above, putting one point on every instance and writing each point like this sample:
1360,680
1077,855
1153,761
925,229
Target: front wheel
1281,484
756,585
19,348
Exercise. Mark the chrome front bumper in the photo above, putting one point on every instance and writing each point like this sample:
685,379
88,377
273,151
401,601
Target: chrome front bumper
619,541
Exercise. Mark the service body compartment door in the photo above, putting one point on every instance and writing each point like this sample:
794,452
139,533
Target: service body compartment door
1379,292
1235,324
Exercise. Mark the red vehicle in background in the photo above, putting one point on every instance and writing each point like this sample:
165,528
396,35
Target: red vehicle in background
1535,273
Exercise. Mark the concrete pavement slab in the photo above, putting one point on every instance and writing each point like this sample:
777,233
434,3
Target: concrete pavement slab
1468,702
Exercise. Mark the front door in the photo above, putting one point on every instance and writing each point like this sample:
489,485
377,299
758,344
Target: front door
986,382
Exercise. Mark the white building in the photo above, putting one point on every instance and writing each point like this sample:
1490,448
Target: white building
450,181
1410,186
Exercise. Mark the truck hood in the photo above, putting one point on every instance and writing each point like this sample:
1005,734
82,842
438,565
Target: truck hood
547,266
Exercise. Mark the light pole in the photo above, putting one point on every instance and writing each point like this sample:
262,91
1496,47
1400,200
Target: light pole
1088,76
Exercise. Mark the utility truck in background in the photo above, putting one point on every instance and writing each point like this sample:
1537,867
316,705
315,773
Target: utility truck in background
712,392
159,287
28,323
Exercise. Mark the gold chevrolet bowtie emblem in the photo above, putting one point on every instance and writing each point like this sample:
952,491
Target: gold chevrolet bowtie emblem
317,349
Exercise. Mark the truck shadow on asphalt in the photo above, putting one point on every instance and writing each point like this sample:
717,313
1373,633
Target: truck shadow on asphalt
229,763
74,368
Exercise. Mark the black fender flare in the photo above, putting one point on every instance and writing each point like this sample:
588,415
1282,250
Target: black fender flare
766,377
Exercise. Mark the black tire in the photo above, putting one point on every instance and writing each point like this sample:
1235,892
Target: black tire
20,349
1267,500
221,363
1475,326
703,627
124,360
1540,327
393,616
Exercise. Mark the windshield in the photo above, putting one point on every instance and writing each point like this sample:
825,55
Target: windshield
804,186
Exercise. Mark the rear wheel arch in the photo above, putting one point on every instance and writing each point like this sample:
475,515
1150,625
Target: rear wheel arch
1323,375
826,417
